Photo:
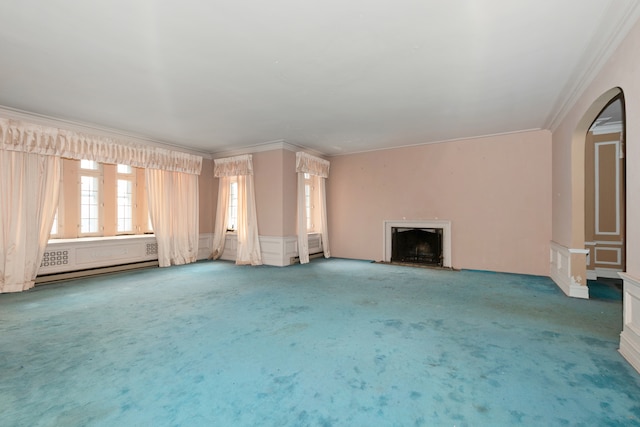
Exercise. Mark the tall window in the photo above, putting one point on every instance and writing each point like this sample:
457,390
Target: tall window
90,178
308,200
232,216
125,198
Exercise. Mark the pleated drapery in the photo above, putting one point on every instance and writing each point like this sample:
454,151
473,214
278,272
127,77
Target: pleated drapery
173,207
30,163
29,188
31,138
319,170
240,167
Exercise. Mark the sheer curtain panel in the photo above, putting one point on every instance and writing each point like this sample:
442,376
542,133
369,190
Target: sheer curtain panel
29,188
319,169
173,207
241,167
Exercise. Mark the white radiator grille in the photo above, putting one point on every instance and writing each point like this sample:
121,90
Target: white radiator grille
152,248
52,258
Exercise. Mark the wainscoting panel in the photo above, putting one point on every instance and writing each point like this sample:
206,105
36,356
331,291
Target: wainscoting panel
560,259
630,336
276,251
64,255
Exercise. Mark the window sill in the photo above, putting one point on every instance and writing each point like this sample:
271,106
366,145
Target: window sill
100,238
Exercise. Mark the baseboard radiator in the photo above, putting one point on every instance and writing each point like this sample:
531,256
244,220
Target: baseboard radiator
55,277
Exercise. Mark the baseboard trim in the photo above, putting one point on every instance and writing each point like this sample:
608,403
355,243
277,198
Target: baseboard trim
630,336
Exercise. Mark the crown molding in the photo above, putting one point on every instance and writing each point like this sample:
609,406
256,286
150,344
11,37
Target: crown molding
43,120
613,127
279,144
597,54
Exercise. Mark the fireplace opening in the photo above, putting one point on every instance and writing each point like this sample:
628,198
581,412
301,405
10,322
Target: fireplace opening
417,245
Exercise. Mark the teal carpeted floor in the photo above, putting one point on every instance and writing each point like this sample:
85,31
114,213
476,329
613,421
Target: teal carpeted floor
332,343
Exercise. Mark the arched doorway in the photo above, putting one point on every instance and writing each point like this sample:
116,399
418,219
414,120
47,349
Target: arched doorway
605,202
578,180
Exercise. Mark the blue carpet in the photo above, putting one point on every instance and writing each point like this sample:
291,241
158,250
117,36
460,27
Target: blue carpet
331,343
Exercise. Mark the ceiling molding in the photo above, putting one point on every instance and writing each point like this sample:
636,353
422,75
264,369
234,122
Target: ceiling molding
280,144
468,138
611,127
43,120
591,64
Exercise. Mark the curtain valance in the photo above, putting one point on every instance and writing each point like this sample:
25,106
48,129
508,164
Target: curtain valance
31,138
306,163
233,166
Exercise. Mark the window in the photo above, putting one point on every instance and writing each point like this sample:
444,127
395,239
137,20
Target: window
232,215
101,200
125,198
308,200
90,178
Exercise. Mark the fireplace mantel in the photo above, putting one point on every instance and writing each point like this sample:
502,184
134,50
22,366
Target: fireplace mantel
433,223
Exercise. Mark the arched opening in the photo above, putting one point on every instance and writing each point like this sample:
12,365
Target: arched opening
580,261
605,202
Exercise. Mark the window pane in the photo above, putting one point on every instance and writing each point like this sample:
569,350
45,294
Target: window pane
125,206
232,220
89,204
88,164
307,203
124,169
54,227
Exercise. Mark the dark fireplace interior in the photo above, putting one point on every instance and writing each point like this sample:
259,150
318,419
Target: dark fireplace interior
417,245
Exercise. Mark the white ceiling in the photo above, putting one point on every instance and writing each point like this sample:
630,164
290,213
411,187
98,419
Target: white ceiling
333,75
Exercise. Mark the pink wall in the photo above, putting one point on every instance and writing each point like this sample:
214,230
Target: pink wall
621,70
495,190
208,193
275,185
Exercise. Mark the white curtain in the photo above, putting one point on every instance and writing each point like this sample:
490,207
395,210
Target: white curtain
319,169
241,167
173,207
29,188
220,229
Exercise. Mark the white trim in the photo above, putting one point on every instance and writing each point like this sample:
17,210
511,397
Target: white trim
618,252
625,17
598,145
279,144
608,242
578,251
609,273
560,269
630,336
610,127
446,236
276,251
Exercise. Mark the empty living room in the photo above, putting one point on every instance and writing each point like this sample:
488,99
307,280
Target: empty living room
297,213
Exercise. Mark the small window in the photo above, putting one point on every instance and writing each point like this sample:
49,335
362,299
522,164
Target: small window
232,215
89,204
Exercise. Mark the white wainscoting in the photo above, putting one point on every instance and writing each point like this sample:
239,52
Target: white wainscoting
276,251
560,259
630,336
64,255
90,253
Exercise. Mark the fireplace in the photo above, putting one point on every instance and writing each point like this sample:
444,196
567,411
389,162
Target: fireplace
417,245
431,240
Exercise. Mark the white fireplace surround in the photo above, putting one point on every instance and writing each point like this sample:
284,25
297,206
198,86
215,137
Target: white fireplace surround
434,223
